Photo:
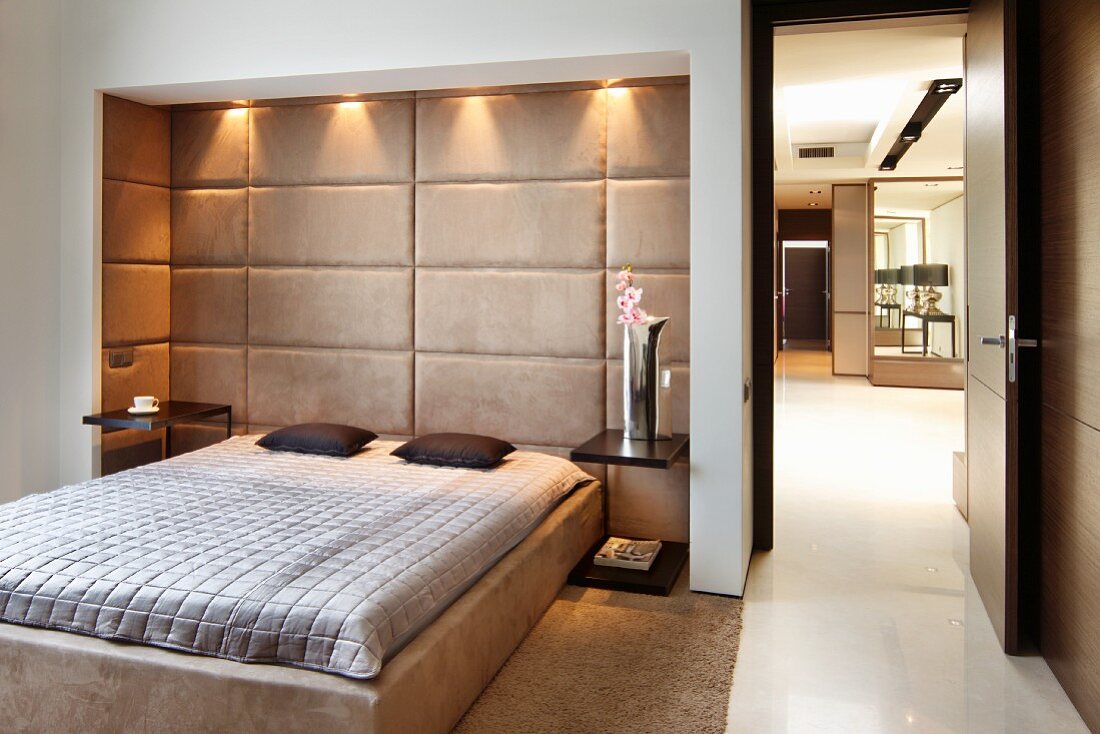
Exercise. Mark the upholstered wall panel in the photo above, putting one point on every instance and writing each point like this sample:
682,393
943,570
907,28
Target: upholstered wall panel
135,216
550,135
648,131
123,450
369,389
332,225
680,398
211,374
312,279
519,312
147,375
135,304
136,144
550,402
666,294
135,222
193,436
331,307
210,305
648,223
547,224
210,148
210,226
348,142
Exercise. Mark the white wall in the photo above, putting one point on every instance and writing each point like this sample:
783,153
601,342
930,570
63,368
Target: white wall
947,244
115,44
29,176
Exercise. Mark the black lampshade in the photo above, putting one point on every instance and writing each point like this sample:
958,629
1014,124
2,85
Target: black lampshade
932,274
905,274
890,276
878,276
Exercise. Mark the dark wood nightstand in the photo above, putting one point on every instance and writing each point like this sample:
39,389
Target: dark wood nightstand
171,412
609,447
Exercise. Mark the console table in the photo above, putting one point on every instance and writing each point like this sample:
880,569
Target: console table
927,318
171,412
611,448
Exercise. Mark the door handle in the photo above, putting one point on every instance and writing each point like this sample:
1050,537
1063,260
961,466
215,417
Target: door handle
1013,343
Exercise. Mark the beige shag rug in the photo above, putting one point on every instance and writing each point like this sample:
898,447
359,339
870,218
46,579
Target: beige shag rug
608,661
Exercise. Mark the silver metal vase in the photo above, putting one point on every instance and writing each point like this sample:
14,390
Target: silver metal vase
646,388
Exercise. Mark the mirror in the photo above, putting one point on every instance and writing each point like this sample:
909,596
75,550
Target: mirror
918,231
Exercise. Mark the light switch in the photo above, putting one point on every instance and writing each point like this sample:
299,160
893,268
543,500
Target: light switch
120,358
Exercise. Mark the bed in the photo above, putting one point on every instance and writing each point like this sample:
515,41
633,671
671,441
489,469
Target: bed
387,593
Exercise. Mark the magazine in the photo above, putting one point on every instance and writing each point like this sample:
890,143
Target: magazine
627,553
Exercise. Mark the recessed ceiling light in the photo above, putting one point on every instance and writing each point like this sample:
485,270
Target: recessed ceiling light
813,203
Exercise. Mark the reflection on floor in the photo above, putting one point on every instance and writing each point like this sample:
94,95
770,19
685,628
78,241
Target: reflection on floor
864,618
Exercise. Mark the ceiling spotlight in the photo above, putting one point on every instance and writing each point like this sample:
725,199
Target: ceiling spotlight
813,203
815,192
911,132
938,92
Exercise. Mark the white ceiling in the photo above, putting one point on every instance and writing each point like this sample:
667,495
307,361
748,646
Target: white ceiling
914,195
857,86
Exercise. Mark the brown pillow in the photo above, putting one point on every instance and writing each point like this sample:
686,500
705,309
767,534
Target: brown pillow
455,449
327,439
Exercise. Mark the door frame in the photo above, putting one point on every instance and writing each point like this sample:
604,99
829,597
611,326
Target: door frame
766,16
827,316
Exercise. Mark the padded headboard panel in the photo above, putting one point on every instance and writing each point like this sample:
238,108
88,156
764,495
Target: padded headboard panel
136,275
429,261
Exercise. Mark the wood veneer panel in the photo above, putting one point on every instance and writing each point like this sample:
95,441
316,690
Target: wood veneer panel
1070,220
987,507
1070,531
1069,602
948,374
985,189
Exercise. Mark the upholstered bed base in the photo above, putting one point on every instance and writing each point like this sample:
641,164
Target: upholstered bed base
62,682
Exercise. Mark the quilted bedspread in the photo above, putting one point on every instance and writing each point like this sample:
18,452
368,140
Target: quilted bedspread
243,553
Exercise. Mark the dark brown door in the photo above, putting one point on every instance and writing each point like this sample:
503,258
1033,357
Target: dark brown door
805,311
991,397
1069,80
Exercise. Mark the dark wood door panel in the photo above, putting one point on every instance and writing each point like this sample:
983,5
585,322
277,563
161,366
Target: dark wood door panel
805,310
1070,557
987,508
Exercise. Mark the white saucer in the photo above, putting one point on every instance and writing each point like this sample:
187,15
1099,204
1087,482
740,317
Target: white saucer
135,411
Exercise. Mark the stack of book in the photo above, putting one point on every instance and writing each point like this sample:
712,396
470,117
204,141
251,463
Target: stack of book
627,553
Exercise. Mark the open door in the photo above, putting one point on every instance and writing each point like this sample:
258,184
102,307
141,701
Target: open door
992,379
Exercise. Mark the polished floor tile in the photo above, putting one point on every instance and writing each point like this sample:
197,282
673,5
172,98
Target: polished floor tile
864,617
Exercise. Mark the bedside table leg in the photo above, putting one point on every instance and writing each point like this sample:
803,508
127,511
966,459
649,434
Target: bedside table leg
229,422
168,442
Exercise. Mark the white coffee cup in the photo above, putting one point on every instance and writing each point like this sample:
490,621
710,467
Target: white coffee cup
145,402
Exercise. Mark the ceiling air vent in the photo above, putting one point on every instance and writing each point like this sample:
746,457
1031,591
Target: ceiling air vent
821,151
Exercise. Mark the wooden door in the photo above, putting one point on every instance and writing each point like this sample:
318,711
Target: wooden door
991,230
805,310
1069,606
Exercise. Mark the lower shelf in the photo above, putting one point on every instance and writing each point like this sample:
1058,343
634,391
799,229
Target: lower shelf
657,581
